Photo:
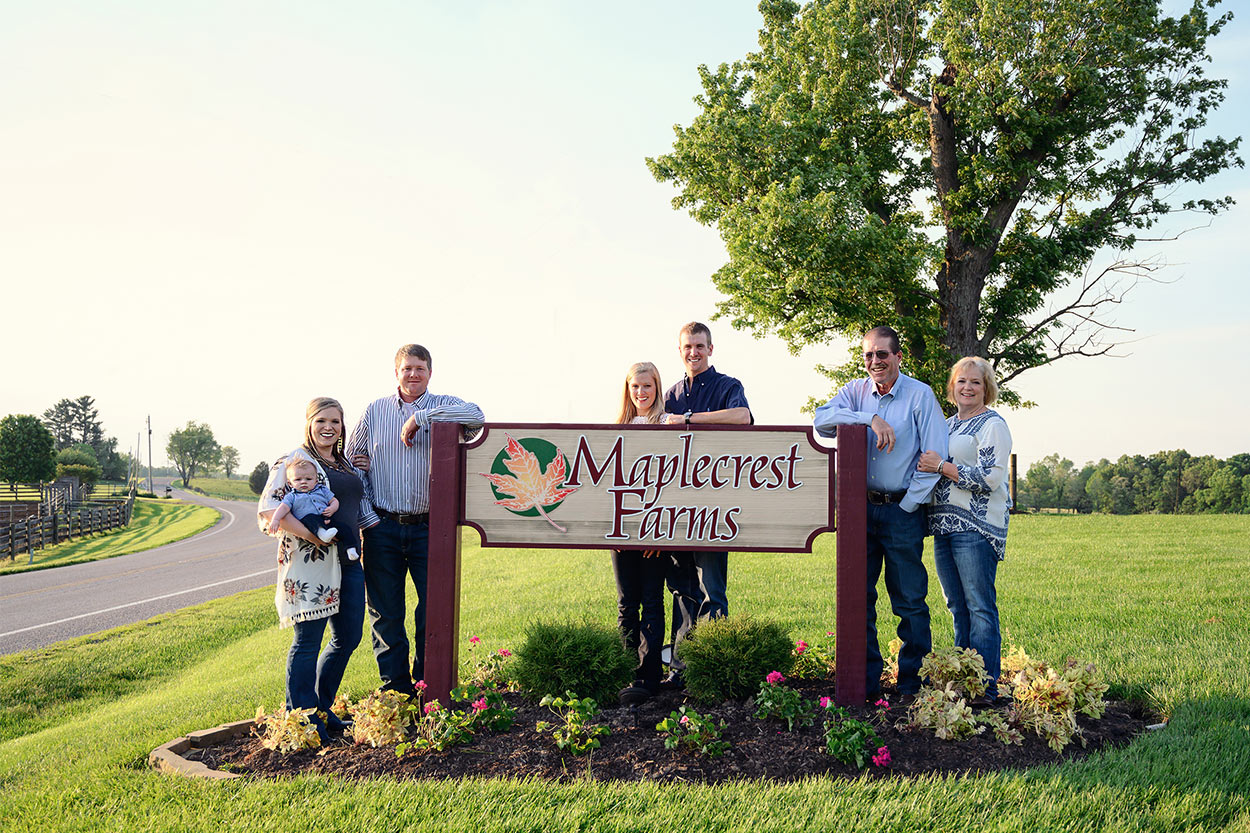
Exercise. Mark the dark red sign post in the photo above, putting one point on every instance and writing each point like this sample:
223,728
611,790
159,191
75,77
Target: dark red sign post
851,506
848,507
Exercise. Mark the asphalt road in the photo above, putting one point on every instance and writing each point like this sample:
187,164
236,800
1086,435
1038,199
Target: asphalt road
46,606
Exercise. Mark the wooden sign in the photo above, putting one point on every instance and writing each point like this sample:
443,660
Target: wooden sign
649,487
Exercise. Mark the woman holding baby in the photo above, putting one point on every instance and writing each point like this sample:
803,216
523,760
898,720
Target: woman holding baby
319,583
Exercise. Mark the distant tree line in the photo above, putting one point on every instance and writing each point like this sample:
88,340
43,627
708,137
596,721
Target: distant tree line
1169,482
69,440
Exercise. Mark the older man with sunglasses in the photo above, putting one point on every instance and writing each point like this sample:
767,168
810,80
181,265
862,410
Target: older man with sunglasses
903,419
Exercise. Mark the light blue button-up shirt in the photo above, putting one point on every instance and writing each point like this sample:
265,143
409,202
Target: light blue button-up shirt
912,411
400,475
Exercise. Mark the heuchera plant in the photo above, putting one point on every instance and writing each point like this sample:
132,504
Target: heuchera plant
1048,700
945,711
286,731
381,718
962,668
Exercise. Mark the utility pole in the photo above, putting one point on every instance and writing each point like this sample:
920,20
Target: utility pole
150,453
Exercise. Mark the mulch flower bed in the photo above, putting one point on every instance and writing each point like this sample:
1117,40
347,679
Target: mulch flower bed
635,751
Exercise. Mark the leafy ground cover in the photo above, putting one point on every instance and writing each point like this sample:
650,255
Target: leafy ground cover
635,751
1159,603
154,523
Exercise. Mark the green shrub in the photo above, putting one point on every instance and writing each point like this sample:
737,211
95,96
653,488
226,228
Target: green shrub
258,478
78,462
582,657
727,658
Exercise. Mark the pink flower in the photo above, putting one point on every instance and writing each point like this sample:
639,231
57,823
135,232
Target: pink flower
775,677
882,704
420,685
800,647
882,758
824,702
473,640
432,706
504,652
829,633
685,718
479,705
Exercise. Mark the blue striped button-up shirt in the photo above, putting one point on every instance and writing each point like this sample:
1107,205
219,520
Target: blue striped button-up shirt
399,475
911,409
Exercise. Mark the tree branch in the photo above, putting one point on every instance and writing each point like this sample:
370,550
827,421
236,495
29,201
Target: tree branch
1082,328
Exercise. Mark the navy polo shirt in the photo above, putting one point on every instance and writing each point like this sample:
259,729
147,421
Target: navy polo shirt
709,391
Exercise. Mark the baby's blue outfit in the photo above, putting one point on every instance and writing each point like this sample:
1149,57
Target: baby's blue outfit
309,503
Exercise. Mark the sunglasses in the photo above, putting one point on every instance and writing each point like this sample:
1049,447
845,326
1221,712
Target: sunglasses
880,355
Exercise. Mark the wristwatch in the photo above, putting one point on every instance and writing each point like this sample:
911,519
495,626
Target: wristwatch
687,416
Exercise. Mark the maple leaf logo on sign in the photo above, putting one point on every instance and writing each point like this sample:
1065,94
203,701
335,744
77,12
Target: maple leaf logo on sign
530,490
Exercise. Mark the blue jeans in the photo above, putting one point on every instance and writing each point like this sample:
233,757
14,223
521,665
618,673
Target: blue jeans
392,552
713,577
896,541
312,681
967,565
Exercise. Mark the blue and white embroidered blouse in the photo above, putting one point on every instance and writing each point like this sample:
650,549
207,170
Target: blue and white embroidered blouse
980,447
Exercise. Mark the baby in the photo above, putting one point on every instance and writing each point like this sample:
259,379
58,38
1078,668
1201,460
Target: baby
312,503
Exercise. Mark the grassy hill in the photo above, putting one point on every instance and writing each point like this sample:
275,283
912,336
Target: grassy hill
154,523
220,487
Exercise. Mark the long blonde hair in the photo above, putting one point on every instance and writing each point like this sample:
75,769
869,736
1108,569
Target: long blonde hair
315,407
628,409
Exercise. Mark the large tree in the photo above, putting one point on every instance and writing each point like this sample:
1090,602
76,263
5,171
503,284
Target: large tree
78,421
27,452
191,449
229,459
59,420
950,167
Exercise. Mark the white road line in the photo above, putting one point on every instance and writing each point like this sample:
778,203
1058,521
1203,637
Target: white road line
132,604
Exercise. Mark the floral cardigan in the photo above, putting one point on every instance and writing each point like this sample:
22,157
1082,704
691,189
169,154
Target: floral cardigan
309,576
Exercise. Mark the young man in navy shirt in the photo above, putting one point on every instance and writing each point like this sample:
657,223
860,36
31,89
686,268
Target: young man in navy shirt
704,397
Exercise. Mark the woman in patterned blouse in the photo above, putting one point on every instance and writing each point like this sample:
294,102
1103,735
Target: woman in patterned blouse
969,510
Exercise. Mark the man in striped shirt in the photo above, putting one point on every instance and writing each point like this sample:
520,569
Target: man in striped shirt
392,442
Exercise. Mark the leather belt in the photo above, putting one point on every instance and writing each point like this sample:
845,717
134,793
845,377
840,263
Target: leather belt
404,520
882,498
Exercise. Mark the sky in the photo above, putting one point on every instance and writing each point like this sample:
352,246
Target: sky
216,211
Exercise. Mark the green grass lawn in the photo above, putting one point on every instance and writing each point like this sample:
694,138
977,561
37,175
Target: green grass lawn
153,524
220,487
1160,603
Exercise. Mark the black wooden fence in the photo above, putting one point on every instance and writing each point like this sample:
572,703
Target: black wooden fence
75,520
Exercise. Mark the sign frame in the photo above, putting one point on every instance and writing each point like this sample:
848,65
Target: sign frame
848,510
519,427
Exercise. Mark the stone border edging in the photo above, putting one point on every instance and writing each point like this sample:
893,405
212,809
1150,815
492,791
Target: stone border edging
168,757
